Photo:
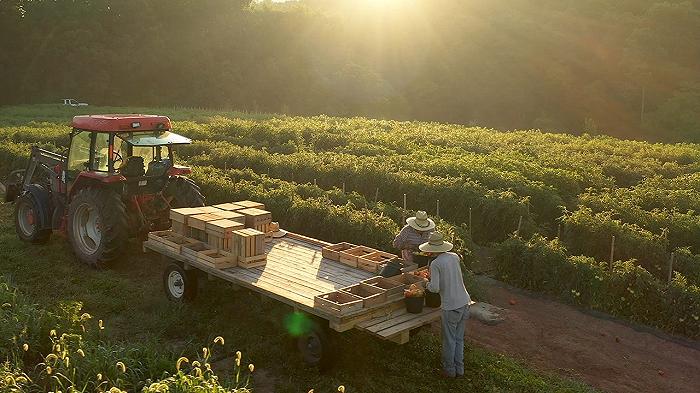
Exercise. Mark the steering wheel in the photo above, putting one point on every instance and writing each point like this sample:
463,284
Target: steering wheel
116,157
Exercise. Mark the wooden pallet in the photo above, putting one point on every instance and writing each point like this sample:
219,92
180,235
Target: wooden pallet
397,325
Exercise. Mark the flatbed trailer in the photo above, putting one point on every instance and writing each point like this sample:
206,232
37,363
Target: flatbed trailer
295,272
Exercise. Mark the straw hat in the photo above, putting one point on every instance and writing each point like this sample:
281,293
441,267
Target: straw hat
275,229
436,243
421,222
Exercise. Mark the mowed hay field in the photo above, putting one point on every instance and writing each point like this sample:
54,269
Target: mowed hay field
45,289
345,179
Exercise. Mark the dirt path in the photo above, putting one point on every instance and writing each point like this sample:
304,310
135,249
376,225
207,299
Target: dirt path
605,354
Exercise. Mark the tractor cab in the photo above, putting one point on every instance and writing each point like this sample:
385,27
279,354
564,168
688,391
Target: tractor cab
136,149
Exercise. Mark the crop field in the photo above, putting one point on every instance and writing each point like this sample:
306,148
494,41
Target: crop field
549,204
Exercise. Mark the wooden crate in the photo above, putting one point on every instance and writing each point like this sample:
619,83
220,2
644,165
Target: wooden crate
373,262
333,251
217,259
371,295
229,206
250,204
180,215
180,228
193,249
209,209
200,221
248,245
338,303
255,217
394,288
169,239
265,228
350,256
220,232
231,215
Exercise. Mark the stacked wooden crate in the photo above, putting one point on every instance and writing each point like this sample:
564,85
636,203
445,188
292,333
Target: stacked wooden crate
258,219
180,217
220,233
223,235
248,245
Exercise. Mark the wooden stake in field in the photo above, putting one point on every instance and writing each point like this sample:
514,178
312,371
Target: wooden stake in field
470,223
612,253
376,195
558,231
404,208
670,267
343,187
315,182
437,209
520,224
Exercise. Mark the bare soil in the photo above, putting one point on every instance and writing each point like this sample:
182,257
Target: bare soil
604,353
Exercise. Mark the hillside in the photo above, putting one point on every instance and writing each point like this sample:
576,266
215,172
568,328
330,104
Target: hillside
348,176
622,67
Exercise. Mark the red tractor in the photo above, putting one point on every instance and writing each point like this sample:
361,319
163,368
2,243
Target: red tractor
118,181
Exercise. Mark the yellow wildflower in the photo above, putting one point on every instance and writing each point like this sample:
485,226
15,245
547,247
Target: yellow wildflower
121,366
219,340
25,347
251,367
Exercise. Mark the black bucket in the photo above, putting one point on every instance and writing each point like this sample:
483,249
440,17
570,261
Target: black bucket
432,299
414,305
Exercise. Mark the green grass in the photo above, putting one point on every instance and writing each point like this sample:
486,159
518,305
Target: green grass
129,298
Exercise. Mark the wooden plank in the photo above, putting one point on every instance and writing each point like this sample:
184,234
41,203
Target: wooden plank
401,338
318,270
307,239
309,277
390,321
325,266
421,320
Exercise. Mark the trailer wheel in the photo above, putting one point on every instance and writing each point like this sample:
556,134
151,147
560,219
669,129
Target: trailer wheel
315,347
27,221
180,285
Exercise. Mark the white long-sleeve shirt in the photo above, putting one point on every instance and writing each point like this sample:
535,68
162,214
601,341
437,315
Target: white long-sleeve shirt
446,279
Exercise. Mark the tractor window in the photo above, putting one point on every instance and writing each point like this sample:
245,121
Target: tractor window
101,152
143,151
79,155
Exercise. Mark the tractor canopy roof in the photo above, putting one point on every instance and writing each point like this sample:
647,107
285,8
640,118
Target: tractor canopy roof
153,138
121,123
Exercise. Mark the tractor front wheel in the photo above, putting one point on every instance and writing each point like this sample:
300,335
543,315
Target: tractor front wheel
97,226
183,192
27,221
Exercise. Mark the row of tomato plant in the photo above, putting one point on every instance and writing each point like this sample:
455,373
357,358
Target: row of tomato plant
627,291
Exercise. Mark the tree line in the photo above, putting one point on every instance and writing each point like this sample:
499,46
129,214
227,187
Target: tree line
630,68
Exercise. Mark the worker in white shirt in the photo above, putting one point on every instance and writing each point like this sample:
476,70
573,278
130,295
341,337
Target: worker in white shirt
446,279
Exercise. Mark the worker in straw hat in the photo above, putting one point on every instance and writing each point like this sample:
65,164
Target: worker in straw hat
413,234
446,279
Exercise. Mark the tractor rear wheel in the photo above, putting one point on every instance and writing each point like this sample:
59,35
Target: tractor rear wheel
97,226
183,192
27,221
